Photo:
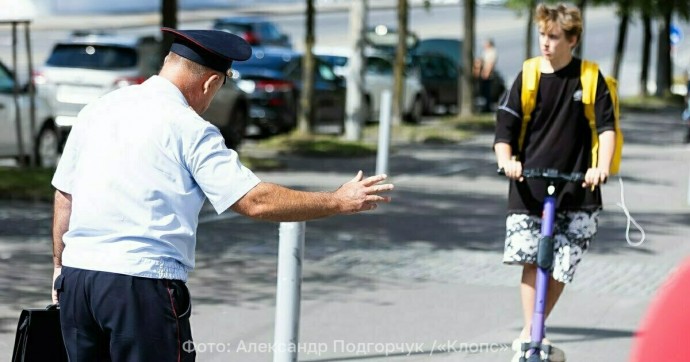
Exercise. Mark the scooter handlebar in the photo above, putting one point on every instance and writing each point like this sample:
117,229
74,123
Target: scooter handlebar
549,174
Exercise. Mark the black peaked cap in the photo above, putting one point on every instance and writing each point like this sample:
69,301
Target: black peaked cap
215,49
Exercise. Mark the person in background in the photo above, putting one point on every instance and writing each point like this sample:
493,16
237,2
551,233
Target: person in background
486,73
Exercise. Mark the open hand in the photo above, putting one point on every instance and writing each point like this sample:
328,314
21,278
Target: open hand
362,194
54,295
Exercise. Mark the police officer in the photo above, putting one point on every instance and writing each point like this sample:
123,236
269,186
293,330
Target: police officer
136,170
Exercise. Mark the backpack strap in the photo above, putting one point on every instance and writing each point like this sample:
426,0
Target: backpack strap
589,75
528,96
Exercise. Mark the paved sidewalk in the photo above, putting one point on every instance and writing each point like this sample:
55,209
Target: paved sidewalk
417,280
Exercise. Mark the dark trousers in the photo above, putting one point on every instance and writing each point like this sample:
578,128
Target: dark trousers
485,91
114,317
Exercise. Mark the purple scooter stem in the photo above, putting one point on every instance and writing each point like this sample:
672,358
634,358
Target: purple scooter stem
537,330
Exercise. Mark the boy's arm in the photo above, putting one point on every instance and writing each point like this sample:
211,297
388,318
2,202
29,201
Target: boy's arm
598,175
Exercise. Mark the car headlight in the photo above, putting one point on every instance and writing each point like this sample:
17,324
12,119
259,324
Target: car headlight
247,86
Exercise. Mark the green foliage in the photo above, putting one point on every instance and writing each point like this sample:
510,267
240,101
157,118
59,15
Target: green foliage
26,184
316,146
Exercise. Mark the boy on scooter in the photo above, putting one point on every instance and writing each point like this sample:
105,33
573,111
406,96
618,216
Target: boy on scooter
556,136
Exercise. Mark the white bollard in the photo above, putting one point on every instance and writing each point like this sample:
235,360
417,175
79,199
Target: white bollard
384,132
288,291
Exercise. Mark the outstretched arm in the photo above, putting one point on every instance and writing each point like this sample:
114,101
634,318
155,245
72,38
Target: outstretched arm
61,214
273,202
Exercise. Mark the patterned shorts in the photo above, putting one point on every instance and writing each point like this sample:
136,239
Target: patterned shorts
573,231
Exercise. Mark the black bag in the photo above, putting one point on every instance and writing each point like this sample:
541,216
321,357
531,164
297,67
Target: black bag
39,337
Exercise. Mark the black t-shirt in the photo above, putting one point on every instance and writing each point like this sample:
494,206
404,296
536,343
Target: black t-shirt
558,137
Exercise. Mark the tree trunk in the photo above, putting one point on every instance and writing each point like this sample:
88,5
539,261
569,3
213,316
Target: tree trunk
354,101
168,20
646,53
620,42
663,70
399,68
529,37
579,50
306,108
467,83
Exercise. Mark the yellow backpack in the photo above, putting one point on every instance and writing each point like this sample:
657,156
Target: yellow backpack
588,78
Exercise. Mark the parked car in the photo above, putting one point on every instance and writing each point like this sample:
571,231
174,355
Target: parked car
272,78
87,66
45,142
378,76
257,31
439,77
440,82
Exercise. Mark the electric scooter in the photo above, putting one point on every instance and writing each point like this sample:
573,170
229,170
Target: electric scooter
532,351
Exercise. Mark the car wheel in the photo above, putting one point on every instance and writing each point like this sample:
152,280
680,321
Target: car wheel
415,114
365,111
47,151
234,131
430,107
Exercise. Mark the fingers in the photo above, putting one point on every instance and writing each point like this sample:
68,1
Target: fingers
378,189
595,177
377,198
358,177
513,169
372,180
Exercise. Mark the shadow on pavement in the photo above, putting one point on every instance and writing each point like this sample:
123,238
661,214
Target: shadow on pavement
588,334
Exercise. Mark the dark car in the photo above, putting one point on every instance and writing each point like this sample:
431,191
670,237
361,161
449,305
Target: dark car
439,77
440,83
272,78
255,30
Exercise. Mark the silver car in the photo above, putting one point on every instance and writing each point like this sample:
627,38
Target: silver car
378,77
88,66
44,142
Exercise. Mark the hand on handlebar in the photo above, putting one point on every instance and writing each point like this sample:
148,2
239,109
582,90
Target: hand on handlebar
512,169
595,177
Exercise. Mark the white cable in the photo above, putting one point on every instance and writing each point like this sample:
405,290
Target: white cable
630,220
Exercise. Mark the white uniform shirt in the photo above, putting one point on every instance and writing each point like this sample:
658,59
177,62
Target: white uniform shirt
139,164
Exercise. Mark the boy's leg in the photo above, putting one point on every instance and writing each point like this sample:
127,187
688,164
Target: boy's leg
528,294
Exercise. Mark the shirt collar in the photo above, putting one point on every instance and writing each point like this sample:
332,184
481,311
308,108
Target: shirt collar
166,88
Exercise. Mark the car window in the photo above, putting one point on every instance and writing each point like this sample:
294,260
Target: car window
436,67
325,72
334,60
92,56
376,65
269,31
448,68
236,29
266,61
6,80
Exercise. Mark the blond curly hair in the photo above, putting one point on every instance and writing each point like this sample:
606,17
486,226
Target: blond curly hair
569,18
